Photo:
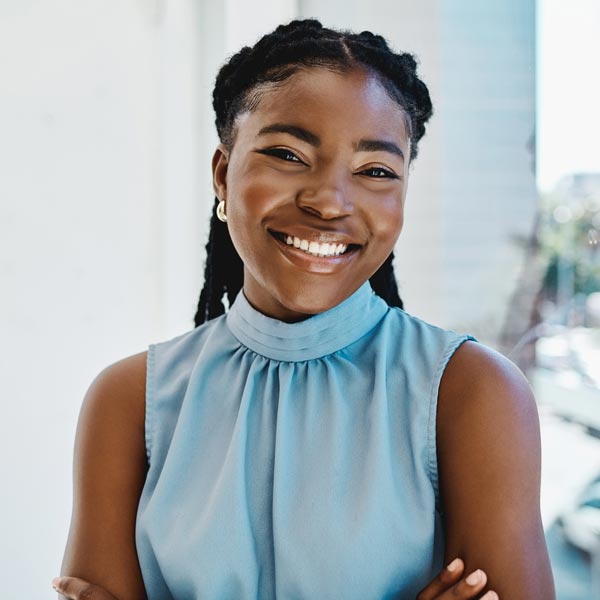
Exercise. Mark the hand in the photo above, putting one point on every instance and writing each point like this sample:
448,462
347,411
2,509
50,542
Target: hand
79,589
449,584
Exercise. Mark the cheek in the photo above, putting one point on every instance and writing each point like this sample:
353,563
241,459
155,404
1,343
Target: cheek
248,208
388,218
255,197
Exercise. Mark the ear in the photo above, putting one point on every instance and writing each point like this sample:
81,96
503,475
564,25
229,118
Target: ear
220,162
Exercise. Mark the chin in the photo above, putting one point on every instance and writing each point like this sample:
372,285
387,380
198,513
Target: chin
312,300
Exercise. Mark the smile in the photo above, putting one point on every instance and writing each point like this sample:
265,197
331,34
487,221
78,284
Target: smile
315,248
321,249
316,257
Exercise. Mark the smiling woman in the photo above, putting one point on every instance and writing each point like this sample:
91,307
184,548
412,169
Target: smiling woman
314,440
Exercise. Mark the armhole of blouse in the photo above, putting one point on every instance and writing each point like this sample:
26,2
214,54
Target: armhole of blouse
451,347
150,363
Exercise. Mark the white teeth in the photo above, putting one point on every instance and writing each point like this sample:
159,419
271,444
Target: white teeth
325,249
315,248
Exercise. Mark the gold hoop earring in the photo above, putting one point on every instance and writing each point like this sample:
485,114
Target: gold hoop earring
221,211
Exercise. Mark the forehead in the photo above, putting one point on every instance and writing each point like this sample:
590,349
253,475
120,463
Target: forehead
350,104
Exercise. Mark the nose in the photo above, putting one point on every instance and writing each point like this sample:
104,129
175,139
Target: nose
327,199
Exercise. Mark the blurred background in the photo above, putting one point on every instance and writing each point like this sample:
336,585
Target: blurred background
105,194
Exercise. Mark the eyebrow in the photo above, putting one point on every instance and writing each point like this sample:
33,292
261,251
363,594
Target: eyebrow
298,132
379,145
315,140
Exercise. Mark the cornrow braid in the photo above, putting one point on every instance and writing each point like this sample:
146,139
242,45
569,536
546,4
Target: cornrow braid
305,43
273,59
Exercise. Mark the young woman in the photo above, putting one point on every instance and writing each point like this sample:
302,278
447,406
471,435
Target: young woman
315,440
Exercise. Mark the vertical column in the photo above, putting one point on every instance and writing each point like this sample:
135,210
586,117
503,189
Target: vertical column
181,164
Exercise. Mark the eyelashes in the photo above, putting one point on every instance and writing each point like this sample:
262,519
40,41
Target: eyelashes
387,174
281,153
289,156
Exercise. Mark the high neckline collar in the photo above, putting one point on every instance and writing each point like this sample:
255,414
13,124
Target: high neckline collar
314,337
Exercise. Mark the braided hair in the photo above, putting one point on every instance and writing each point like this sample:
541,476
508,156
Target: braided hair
275,58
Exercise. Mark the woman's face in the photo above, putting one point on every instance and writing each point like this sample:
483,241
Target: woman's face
323,159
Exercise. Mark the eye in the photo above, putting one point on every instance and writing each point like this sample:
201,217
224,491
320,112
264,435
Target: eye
282,153
380,173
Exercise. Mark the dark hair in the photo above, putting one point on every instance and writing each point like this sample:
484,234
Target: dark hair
274,58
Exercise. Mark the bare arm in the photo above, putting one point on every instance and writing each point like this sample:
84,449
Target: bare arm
489,463
109,471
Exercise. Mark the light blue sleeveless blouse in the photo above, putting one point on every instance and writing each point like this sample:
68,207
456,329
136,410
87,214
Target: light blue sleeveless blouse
294,460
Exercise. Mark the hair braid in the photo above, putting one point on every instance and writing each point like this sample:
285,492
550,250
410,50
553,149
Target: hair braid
273,59
384,283
223,272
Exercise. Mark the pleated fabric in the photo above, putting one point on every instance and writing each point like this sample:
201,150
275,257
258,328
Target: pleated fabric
294,460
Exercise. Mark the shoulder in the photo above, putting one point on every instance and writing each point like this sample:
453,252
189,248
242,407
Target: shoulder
479,374
486,408
120,388
128,373
488,446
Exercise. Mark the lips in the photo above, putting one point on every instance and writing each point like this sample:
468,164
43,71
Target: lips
316,262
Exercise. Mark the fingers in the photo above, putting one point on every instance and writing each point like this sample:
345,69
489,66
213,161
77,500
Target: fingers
447,577
468,587
75,588
450,584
